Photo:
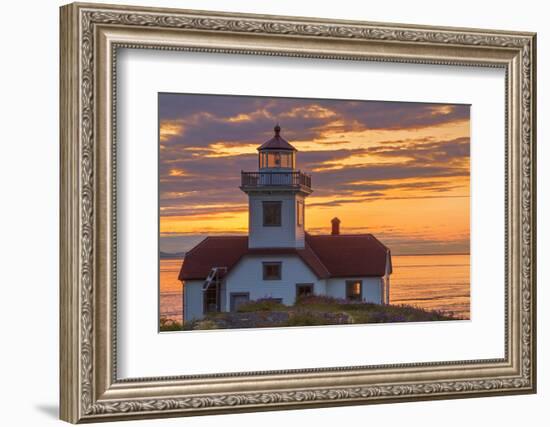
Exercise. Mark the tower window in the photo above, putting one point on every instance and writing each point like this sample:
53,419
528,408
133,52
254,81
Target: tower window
272,271
272,214
299,213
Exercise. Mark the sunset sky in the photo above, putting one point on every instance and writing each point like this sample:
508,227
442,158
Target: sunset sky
398,170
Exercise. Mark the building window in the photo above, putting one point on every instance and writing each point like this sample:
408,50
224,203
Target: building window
299,213
304,290
353,290
272,214
272,271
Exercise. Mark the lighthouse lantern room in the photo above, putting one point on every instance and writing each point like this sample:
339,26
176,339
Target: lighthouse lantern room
276,196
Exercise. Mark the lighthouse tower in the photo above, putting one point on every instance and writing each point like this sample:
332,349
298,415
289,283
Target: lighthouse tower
276,196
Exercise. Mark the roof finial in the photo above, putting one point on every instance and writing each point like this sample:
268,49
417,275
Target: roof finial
277,129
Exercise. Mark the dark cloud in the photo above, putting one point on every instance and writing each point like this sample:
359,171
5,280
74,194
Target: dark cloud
439,151
371,198
341,179
206,117
401,115
216,180
400,243
188,209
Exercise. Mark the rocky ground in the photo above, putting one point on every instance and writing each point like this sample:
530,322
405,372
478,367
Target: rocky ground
308,311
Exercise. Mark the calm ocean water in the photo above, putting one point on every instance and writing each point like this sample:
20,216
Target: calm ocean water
170,289
434,282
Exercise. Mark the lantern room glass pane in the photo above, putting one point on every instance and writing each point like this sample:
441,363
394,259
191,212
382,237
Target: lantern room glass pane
277,159
287,160
269,161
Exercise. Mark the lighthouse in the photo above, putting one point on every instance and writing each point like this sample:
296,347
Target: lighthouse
276,196
278,259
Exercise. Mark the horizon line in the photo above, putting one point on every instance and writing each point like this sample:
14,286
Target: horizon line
396,254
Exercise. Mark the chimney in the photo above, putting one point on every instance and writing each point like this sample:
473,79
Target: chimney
335,226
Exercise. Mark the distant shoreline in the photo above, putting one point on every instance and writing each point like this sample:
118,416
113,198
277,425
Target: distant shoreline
175,255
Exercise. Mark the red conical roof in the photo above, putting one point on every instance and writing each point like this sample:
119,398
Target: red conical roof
277,142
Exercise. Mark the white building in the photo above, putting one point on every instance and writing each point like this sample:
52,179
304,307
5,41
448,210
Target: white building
279,259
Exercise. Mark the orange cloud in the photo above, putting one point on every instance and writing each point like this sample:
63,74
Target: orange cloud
178,172
170,129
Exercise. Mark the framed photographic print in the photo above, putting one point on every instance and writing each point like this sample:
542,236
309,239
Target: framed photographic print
265,212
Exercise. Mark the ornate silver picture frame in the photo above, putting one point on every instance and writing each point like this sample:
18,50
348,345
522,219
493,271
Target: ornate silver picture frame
91,36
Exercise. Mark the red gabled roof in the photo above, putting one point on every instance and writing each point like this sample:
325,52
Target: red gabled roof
350,255
355,255
214,251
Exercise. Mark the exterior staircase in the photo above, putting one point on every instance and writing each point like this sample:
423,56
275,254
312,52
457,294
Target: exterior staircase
214,277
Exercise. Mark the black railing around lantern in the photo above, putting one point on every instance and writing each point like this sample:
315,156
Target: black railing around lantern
288,179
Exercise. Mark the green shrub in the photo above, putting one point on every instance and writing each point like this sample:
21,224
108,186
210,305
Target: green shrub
318,300
206,325
305,318
307,311
264,304
168,325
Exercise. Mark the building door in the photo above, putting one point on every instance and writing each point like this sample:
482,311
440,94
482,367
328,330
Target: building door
236,299
211,299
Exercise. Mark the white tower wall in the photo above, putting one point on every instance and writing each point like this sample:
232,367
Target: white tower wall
288,235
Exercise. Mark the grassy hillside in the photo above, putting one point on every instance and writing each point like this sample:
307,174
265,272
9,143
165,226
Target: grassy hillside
307,311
